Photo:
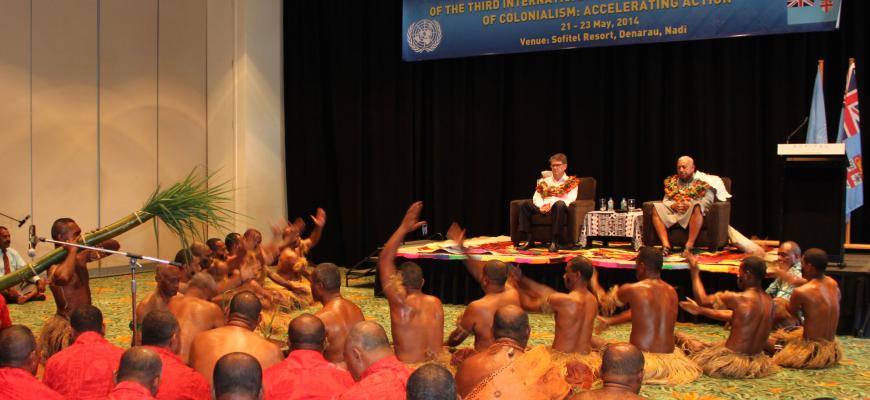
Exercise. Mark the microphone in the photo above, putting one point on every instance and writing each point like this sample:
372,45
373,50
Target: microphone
21,223
31,250
796,129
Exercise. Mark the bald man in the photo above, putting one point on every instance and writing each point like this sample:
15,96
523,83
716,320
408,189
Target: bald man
305,374
138,375
195,312
530,376
653,307
338,314
236,336
431,382
686,201
416,319
168,278
19,360
621,372
374,366
238,376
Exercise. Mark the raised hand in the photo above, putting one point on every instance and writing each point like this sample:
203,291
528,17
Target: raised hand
456,234
690,306
319,218
410,222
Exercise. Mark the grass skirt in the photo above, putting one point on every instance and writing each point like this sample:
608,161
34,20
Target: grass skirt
809,354
719,361
54,337
669,368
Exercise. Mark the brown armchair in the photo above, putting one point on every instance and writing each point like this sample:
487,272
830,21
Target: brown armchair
541,222
714,232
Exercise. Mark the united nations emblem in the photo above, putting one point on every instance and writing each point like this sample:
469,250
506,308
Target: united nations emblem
424,35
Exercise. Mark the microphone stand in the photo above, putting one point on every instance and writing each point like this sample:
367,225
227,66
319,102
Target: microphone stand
134,263
19,221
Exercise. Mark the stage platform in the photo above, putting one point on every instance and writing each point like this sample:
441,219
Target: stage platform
447,278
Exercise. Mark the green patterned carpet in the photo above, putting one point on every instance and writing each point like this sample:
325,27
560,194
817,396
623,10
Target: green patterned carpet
850,380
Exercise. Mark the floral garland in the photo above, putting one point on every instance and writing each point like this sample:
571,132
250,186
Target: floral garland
558,190
686,194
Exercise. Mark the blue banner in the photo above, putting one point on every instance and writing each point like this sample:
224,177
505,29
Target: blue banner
434,29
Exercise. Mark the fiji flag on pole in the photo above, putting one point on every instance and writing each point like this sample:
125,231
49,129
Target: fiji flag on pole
850,133
817,132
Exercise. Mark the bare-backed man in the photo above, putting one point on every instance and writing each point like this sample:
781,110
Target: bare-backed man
338,314
168,278
816,345
416,319
498,292
652,312
195,312
750,314
69,284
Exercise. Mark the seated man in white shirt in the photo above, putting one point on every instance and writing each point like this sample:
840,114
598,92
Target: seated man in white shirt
11,261
553,193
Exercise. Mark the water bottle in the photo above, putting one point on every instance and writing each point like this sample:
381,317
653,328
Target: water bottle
623,205
610,204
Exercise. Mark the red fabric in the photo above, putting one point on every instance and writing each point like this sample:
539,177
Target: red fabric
16,383
5,319
178,381
6,269
305,374
383,380
130,391
85,369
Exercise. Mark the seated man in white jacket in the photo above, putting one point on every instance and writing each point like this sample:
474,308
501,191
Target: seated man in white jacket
553,192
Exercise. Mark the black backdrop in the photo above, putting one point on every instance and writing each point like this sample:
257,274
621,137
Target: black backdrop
367,133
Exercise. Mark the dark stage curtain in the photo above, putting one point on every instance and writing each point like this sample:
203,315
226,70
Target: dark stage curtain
367,133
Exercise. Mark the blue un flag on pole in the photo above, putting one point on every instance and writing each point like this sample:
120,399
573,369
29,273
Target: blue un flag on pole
817,131
850,133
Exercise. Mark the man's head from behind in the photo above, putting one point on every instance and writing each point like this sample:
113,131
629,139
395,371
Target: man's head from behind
648,263
578,271
412,276
306,332
814,263
204,283
238,376
142,366
752,271
160,328
18,349
511,322
685,167
431,382
326,280
86,318
365,345
245,307
495,273
622,366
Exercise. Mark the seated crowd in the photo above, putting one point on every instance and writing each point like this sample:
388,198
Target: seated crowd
197,335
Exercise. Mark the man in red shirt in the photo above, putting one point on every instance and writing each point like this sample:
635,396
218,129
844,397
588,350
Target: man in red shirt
138,375
85,369
162,335
5,320
305,374
18,364
238,376
379,374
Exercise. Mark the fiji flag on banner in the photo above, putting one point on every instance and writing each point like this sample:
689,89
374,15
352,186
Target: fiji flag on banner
850,133
812,11
817,132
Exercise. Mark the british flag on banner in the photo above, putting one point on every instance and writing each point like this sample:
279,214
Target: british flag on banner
799,3
850,133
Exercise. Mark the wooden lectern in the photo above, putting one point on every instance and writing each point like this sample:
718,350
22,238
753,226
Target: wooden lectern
814,196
